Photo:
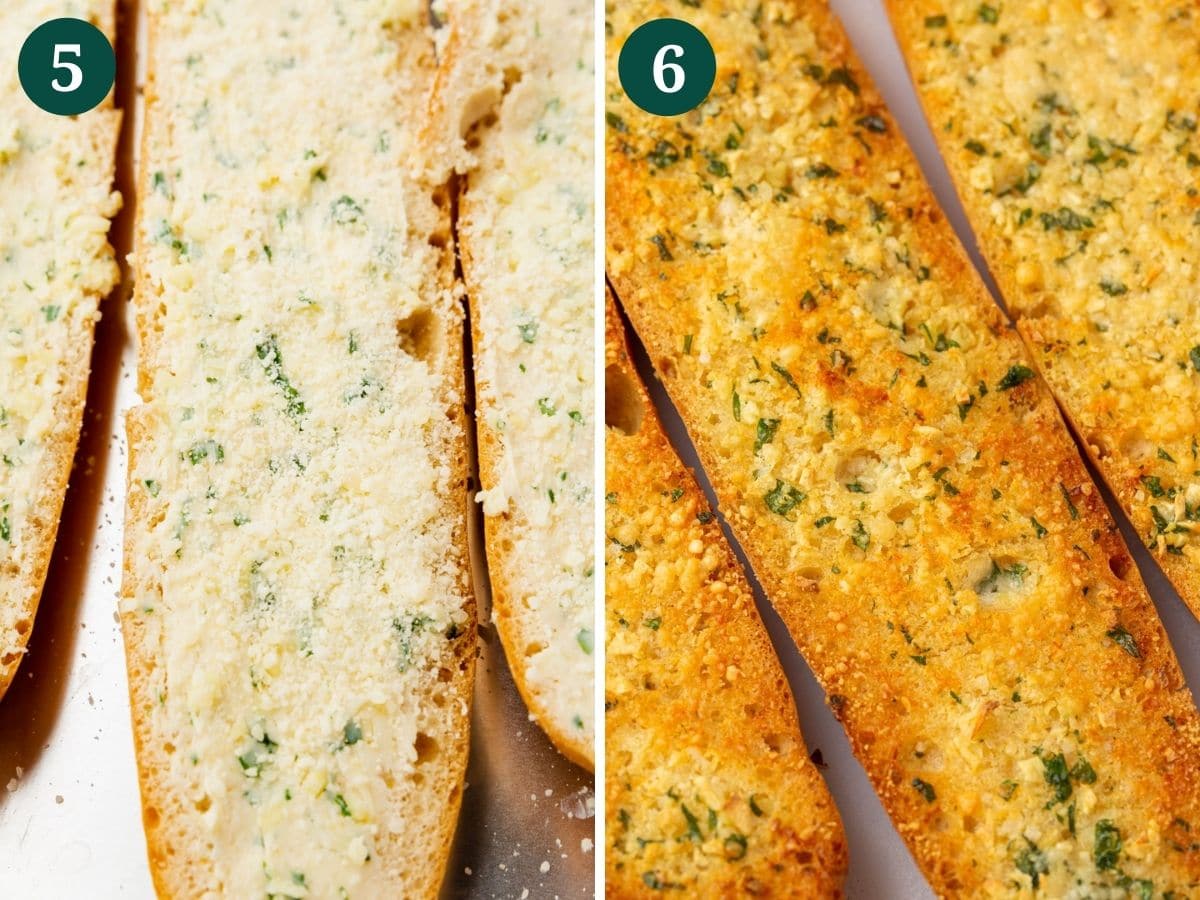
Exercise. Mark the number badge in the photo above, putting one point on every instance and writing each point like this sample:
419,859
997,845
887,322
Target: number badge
667,67
67,66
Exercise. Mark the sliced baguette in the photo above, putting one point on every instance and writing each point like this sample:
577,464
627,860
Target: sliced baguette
298,623
1085,200
902,483
708,786
56,265
515,87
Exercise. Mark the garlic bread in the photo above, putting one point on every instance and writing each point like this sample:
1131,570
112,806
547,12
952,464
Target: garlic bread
709,788
515,92
56,265
1069,128
296,607
898,476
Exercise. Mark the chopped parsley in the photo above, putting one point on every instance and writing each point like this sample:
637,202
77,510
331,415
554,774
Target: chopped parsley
1016,375
783,498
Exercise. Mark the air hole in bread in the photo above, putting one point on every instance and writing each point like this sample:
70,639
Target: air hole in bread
8,659
150,816
534,648
1098,445
1135,446
440,197
23,626
1120,565
168,748
624,408
439,240
901,511
856,471
426,747
969,824
418,335
998,577
445,675
665,366
202,805
779,743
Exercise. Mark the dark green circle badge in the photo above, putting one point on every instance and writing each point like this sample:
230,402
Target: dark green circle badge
67,66
667,67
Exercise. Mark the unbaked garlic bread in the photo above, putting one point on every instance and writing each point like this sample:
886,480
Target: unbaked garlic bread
56,265
899,478
516,90
297,617
1070,127
709,788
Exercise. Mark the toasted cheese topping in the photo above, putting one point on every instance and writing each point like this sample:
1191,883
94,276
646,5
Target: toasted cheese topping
56,200
708,784
527,230
900,480
1071,129
295,566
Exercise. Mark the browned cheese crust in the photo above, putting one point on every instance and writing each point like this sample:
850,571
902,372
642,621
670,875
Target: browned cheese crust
709,788
902,483
1069,128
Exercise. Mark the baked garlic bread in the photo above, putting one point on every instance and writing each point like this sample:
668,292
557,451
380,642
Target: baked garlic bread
56,201
297,617
516,89
709,788
900,480
1070,129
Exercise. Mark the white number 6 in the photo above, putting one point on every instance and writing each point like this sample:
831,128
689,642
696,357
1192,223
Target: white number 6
59,63
661,67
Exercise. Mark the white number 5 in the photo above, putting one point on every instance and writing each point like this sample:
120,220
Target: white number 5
661,68
59,63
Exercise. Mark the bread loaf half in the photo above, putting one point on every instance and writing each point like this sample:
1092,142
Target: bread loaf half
297,616
515,95
1070,129
709,788
56,265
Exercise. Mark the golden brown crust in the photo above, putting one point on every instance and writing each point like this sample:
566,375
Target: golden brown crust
708,784
901,482
174,872
1119,427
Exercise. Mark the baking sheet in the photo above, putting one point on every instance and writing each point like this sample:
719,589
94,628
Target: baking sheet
880,864
70,816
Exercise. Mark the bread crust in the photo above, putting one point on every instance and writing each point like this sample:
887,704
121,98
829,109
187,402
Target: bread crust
469,86
718,689
174,874
104,126
1120,471
964,691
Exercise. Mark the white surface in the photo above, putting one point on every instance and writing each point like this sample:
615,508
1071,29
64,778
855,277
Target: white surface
880,864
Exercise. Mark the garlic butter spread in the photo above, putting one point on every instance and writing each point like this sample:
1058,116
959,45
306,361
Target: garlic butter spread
1072,131
527,223
296,573
56,200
